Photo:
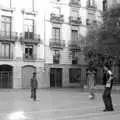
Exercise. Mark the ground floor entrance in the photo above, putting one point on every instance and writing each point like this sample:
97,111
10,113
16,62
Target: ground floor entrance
55,77
75,75
6,76
27,73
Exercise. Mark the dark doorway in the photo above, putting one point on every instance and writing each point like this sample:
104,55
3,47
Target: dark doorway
6,76
55,77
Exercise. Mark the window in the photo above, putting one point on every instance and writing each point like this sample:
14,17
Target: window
90,19
6,25
74,35
91,3
29,29
5,50
74,75
75,14
56,10
56,57
56,33
75,1
5,3
88,22
28,52
74,57
104,5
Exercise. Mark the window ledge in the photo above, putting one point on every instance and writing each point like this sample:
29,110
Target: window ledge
29,12
6,59
28,60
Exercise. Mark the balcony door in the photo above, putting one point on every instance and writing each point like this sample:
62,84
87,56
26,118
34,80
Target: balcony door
74,35
6,51
28,55
6,26
29,29
56,33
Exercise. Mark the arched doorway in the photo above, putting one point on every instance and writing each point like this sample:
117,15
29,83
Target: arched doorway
27,72
6,76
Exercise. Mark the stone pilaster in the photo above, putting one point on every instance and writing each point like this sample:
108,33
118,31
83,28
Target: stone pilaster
83,75
65,78
17,77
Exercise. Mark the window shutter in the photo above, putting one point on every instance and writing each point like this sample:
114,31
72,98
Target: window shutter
11,51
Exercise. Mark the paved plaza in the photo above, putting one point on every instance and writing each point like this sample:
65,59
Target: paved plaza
55,104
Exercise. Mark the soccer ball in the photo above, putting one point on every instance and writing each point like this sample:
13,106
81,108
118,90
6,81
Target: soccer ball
91,97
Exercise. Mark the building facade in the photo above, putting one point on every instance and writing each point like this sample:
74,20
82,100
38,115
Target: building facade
45,37
66,23
21,50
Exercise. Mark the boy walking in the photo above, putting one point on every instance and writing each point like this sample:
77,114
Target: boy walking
34,86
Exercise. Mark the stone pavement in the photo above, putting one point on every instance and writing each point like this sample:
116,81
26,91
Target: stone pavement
55,104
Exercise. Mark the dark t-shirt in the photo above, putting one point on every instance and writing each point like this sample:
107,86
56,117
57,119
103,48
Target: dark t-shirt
34,83
104,78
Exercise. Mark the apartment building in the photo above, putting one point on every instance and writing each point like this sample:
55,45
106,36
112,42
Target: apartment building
66,23
21,50
45,37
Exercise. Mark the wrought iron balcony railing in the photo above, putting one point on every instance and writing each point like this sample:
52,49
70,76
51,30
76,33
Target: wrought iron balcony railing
29,57
74,46
8,36
93,6
30,38
57,44
75,21
54,18
91,22
74,3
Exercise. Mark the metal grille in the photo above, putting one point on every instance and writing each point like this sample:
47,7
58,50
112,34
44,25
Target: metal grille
5,79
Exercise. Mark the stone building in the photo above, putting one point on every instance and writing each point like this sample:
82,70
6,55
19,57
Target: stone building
46,37
21,50
66,23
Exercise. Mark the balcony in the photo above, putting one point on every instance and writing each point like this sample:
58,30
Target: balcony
74,3
76,21
34,38
54,18
6,58
27,57
91,7
8,36
56,59
56,44
74,46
